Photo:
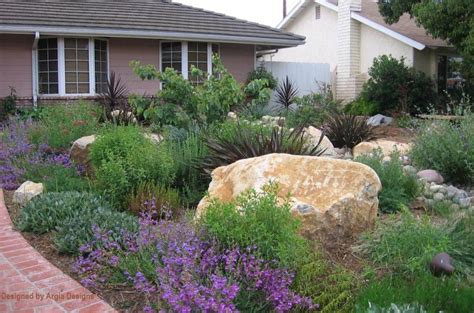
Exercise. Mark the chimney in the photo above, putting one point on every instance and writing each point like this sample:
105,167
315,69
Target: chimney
284,9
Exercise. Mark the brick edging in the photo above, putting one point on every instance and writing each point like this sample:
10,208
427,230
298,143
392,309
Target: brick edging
30,283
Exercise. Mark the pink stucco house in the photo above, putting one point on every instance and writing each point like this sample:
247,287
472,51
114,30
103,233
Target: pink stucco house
65,49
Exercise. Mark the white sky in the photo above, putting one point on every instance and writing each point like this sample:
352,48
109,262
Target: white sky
268,12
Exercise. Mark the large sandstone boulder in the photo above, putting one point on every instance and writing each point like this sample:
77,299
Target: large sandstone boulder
331,197
80,149
314,136
387,147
27,191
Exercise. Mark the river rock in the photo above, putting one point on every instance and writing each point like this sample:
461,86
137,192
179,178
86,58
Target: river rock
27,191
331,197
431,176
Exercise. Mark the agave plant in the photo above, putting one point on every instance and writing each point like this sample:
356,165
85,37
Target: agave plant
286,94
249,143
114,100
347,131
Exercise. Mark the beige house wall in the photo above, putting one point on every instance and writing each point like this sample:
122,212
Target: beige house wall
321,38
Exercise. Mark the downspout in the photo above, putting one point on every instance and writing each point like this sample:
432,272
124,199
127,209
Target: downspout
34,67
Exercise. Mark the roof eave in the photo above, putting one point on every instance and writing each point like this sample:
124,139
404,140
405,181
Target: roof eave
147,34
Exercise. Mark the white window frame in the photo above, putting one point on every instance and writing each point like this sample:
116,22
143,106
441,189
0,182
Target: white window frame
184,57
62,66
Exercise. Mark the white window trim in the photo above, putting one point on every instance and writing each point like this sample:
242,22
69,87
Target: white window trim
62,67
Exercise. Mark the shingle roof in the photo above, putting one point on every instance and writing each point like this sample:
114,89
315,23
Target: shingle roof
158,18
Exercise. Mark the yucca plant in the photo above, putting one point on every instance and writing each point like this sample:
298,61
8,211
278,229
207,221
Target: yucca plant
114,98
286,94
248,143
345,130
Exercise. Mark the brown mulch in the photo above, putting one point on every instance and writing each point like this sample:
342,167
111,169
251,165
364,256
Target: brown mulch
394,133
122,299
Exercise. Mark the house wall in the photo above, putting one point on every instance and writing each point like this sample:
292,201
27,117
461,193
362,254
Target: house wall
238,59
122,51
15,64
321,38
426,61
375,43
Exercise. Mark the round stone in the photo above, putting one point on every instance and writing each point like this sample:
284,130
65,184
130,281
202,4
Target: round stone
465,203
438,196
435,188
410,170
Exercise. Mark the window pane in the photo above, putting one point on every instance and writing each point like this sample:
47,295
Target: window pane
71,88
70,43
83,77
197,57
101,67
48,66
70,54
171,56
76,65
83,88
83,66
83,55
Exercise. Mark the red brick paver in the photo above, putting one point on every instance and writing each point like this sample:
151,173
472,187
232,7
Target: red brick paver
29,283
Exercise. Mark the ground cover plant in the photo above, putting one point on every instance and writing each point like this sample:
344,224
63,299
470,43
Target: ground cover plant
398,188
447,147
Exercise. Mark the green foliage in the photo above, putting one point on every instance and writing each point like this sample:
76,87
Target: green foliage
258,92
433,294
60,125
123,158
248,142
312,110
286,94
398,189
149,197
447,147
361,106
140,105
406,244
77,231
257,219
8,104
261,73
56,177
346,130
393,86
332,287
46,212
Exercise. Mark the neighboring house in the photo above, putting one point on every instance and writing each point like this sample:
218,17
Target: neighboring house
349,34
65,49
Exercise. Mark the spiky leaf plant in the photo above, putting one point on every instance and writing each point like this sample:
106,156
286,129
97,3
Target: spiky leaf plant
345,130
114,98
286,94
249,143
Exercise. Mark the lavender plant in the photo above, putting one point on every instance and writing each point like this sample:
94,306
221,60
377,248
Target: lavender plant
180,271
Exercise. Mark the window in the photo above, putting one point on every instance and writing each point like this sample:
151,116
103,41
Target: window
318,12
171,56
197,57
48,66
101,65
72,66
76,57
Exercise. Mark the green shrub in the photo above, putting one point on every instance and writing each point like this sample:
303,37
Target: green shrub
331,287
257,219
398,189
433,294
77,231
347,131
63,124
392,85
312,109
56,177
258,92
149,197
361,107
406,244
262,73
48,211
123,158
140,105
447,147
8,104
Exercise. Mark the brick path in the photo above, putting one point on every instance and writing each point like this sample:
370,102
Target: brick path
29,283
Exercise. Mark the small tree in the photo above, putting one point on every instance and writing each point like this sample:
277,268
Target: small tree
394,86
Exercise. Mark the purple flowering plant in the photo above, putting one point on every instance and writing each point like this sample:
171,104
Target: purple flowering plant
179,270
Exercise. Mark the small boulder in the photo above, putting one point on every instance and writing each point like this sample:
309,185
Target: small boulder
129,116
379,120
441,264
79,151
232,116
331,197
431,176
438,196
387,147
27,191
314,136
409,170
156,138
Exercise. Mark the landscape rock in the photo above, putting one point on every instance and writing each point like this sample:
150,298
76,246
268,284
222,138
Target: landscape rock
314,135
331,197
387,147
156,138
442,264
438,196
465,203
232,116
27,191
410,170
273,120
79,151
431,176
379,120
128,115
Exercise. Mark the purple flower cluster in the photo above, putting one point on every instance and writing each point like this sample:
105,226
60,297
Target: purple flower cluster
191,275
